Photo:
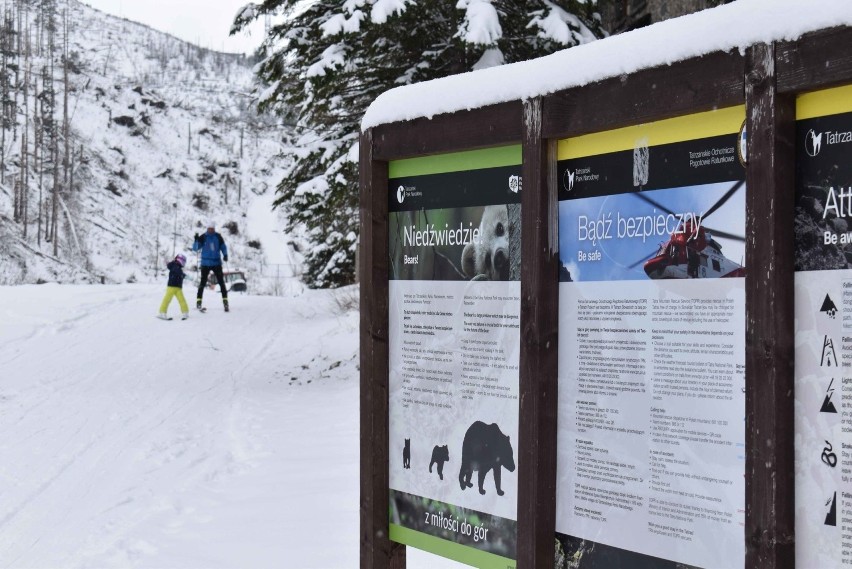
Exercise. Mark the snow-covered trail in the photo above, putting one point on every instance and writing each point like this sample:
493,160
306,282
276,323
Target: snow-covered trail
227,440
125,436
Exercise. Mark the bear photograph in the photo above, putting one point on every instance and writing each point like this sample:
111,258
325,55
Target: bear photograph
488,259
485,244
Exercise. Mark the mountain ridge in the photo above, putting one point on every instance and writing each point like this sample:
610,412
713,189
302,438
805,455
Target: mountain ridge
164,136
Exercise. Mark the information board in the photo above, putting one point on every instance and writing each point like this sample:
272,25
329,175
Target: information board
823,376
454,328
650,451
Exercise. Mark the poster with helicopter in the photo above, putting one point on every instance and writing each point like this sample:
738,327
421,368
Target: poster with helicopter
823,328
680,233
650,448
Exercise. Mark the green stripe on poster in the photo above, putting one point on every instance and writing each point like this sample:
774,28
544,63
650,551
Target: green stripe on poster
456,162
450,550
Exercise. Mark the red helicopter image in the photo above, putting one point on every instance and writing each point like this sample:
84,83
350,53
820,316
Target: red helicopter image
692,252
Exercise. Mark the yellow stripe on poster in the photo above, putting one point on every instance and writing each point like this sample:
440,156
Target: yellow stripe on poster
688,127
824,103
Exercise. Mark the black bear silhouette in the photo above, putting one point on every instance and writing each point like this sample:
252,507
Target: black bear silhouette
440,455
406,454
485,448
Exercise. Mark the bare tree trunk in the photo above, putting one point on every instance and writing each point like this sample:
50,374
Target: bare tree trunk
25,166
38,158
65,126
45,149
16,203
106,61
47,130
55,201
18,70
51,45
40,31
44,153
25,161
20,25
3,143
70,224
73,168
4,89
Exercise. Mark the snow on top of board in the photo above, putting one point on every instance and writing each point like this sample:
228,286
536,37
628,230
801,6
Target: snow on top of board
733,26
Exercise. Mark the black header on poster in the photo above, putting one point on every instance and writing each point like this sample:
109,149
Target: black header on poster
487,186
823,148
688,163
823,214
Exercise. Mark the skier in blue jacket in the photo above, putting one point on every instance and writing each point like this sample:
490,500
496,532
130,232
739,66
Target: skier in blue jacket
213,250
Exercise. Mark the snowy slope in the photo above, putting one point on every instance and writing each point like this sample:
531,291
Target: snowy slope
157,127
132,442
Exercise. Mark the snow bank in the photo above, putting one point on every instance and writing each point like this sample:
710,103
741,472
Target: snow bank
733,26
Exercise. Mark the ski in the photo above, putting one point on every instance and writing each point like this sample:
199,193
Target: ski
201,309
158,318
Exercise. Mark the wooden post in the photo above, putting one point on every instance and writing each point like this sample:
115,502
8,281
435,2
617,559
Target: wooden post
377,551
770,499
538,357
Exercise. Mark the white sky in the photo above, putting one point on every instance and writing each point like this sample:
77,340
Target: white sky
204,22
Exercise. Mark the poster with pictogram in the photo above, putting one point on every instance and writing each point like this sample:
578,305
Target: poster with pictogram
823,328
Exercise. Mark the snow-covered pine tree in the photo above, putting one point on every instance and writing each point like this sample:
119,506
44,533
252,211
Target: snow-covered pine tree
325,61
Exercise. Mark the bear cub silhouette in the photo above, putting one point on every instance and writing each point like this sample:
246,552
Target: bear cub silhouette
485,448
406,454
440,455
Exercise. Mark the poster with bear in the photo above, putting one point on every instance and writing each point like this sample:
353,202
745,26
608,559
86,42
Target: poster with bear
823,328
454,329
651,438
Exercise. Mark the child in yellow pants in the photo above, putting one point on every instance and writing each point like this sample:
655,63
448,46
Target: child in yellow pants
175,289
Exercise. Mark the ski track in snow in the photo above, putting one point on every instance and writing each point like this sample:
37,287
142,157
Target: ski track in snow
227,440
